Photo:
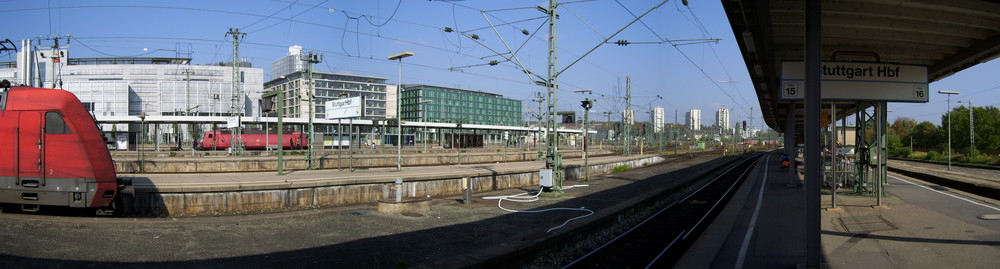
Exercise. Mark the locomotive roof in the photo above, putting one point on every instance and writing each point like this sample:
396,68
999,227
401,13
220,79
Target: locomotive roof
30,98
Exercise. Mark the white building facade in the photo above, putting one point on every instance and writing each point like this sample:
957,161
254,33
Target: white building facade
722,118
693,119
657,117
128,86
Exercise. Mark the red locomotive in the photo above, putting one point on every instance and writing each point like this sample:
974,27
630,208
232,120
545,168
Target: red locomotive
252,139
52,152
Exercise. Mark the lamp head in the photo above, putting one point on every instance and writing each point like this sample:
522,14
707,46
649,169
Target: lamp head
400,55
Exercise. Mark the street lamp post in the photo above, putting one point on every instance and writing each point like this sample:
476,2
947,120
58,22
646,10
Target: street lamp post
972,131
310,158
340,137
586,104
423,118
399,91
142,134
949,93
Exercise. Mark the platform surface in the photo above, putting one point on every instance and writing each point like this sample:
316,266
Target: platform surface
918,225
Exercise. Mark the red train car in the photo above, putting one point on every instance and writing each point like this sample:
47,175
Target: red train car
252,139
52,152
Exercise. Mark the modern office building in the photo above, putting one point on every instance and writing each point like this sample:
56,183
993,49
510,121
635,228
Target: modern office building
126,86
693,119
442,104
329,87
722,118
656,117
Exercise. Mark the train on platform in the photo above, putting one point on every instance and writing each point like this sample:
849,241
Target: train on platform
251,139
53,153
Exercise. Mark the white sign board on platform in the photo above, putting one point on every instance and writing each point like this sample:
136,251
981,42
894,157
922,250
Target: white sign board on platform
859,81
232,122
344,108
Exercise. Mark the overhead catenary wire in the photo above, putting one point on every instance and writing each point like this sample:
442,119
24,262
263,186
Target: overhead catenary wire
675,45
451,51
561,49
84,44
331,53
270,16
289,18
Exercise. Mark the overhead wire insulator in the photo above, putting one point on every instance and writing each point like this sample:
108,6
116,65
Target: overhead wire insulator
622,42
525,32
448,29
475,36
494,62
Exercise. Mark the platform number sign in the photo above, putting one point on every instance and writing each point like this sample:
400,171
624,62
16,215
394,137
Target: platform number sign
920,92
791,89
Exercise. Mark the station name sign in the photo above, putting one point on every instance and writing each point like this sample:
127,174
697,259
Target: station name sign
858,81
344,108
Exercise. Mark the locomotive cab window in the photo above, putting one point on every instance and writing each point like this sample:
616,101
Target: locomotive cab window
54,124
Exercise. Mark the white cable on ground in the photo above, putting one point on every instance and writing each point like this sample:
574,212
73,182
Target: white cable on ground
521,198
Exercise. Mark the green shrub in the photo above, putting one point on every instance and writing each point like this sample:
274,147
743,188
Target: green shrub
932,155
917,155
901,152
619,168
645,163
983,159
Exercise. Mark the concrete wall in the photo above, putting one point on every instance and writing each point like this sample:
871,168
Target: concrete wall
328,161
200,203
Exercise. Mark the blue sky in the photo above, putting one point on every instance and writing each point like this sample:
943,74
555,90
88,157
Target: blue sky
356,36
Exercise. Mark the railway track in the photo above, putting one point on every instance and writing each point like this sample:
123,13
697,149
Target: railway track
660,240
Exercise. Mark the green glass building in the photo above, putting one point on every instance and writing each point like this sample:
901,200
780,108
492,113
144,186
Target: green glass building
442,104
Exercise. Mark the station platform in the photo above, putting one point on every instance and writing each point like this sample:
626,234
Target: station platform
214,182
918,225
249,192
451,235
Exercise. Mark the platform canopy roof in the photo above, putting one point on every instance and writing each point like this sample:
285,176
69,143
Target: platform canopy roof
945,36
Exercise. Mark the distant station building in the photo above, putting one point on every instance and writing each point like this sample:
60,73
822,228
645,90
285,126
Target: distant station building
127,86
443,104
328,87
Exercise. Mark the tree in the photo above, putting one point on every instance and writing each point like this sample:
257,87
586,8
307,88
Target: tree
959,128
900,131
902,127
927,136
987,129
